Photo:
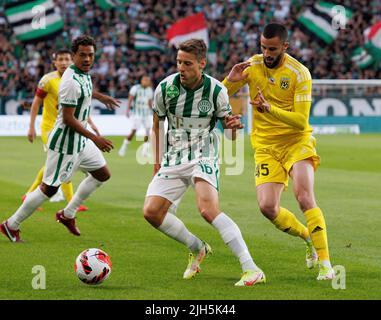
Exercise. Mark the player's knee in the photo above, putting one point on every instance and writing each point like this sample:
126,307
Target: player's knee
152,214
209,213
107,176
49,191
306,200
269,209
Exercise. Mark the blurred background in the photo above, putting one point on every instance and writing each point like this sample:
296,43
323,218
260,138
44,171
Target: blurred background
336,40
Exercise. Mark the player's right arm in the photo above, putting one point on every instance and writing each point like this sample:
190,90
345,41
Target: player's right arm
129,104
69,94
156,145
237,77
70,120
159,114
42,90
37,101
131,97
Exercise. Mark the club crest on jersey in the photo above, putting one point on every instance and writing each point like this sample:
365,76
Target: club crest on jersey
284,83
63,177
172,92
204,106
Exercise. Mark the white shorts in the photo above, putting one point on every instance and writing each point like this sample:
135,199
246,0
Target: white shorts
172,182
138,122
60,167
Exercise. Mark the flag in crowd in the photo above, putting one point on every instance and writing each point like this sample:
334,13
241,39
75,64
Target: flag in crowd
32,20
191,27
109,4
144,41
373,40
362,58
324,20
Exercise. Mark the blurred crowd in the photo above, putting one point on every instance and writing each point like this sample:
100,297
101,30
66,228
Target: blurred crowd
234,28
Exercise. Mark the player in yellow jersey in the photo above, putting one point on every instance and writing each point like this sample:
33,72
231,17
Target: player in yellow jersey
47,94
280,92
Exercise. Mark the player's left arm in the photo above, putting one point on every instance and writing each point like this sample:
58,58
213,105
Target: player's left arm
93,126
299,115
229,121
110,102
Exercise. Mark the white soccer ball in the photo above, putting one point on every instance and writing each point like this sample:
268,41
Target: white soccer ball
93,266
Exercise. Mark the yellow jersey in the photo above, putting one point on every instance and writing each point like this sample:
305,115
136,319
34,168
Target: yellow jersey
48,91
287,88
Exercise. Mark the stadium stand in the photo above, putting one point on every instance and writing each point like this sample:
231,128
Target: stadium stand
234,28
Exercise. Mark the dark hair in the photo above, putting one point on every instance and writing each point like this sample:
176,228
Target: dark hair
195,46
60,51
83,40
272,30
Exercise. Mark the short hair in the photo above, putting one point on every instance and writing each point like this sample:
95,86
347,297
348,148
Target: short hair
60,51
83,40
272,30
195,46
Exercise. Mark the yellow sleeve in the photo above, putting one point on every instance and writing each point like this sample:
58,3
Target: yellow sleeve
298,117
233,87
44,84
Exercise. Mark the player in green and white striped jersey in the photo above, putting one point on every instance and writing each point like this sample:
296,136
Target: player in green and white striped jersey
139,110
71,145
192,102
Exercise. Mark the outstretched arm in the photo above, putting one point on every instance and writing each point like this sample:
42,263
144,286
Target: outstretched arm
110,102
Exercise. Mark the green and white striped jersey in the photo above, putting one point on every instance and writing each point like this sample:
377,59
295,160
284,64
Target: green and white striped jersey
75,91
192,116
140,105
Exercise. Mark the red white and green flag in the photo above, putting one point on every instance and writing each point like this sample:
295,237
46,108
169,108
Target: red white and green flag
373,40
191,27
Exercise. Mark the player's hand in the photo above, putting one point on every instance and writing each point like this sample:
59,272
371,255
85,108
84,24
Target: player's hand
260,102
233,122
31,134
110,102
156,168
103,144
235,74
128,113
26,105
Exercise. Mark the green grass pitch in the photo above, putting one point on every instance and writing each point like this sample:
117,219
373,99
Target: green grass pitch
148,265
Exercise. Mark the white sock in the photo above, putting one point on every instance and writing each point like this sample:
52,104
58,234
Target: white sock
174,228
232,236
85,188
32,201
326,263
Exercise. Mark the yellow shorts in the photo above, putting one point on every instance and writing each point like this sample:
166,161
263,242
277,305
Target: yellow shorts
273,163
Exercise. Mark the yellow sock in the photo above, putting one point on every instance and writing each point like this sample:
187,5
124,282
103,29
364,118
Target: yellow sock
287,222
318,232
37,181
67,190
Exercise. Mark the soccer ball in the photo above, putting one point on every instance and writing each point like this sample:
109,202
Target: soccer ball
93,266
